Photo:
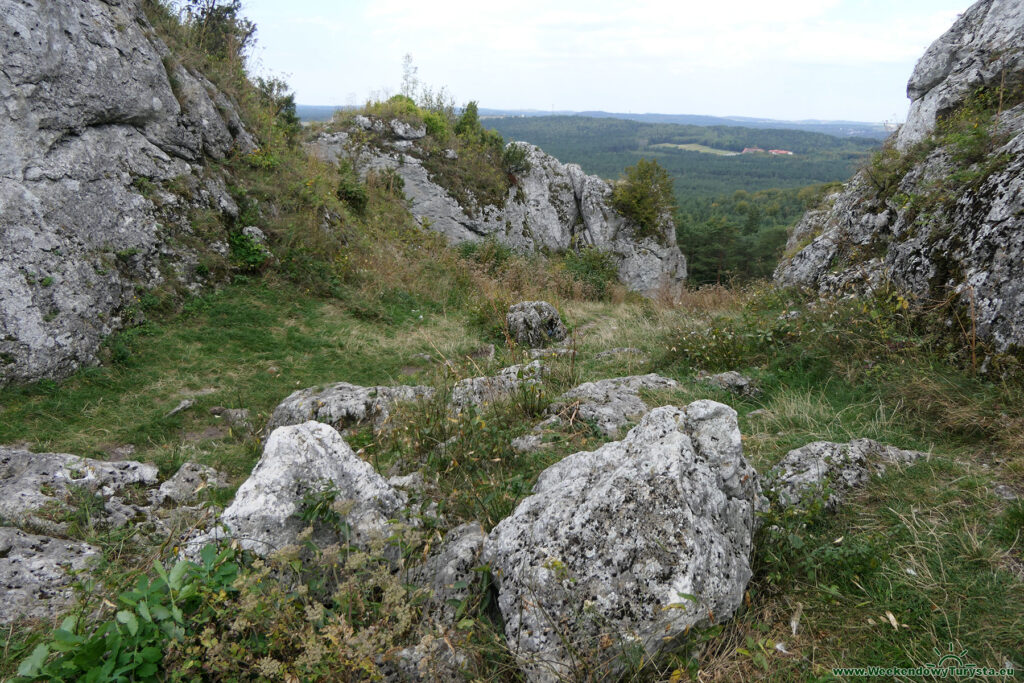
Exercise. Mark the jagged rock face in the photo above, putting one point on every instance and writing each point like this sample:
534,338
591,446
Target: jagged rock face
633,543
982,48
88,107
609,403
300,460
967,245
556,206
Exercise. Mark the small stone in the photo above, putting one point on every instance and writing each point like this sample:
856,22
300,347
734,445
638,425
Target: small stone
1005,492
535,324
181,407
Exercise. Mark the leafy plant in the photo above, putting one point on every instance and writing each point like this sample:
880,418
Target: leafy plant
644,195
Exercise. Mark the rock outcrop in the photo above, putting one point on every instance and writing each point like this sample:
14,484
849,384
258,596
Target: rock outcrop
940,216
479,391
608,403
629,545
553,206
299,461
534,324
343,405
36,573
839,468
96,116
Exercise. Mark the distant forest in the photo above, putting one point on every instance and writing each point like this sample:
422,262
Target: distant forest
733,211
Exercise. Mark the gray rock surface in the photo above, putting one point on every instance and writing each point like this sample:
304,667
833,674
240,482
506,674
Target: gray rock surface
984,46
89,119
343,405
635,542
611,403
187,483
841,467
967,246
36,573
733,381
433,659
299,460
30,481
449,572
478,391
534,324
555,206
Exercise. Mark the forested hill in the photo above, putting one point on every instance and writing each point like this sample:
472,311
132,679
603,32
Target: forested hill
707,166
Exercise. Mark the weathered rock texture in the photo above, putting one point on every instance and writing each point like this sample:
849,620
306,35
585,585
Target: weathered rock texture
838,467
343,405
87,110
535,324
933,236
478,391
31,481
299,460
554,206
36,572
633,543
609,403
449,572
982,47
730,381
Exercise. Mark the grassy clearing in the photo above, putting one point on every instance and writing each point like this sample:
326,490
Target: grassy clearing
693,147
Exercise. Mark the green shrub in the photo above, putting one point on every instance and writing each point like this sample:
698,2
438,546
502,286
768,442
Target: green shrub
246,253
592,267
351,189
437,125
514,159
645,196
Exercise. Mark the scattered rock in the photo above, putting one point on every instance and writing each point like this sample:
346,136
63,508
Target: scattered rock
537,354
619,351
741,385
181,407
343,405
534,324
1005,492
35,573
478,391
449,572
485,352
434,658
29,481
527,443
299,460
409,482
187,482
760,412
632,544
236,418
840,466
611,403
405,131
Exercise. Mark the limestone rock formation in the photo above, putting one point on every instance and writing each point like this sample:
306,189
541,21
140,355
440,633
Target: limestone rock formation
449,572
477,391
610,403
731,380
535,324
553,206
631,544
842,467
343,405
36,573
299,460
984,46
89,120
943,224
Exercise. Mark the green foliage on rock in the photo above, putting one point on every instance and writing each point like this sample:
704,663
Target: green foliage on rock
644,195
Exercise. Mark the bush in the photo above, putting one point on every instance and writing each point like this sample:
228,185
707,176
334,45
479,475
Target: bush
645,196
594,268
515,160
351,189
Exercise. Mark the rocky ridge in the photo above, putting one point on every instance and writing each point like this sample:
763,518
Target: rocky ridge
552,206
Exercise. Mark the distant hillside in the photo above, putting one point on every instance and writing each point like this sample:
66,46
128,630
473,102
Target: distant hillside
315,112
864,129
605,146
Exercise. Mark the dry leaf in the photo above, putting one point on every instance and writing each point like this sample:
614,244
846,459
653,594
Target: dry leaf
892,620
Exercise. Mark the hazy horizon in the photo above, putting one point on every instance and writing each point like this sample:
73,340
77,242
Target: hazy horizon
792,60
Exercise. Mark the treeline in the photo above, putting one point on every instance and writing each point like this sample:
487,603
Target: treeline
740,236
606,146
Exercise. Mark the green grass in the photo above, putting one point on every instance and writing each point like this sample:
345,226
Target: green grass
694,147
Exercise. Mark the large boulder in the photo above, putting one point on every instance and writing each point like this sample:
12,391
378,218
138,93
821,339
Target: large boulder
343,405
629,545
552,206
90,129
534,324
299,461
942,227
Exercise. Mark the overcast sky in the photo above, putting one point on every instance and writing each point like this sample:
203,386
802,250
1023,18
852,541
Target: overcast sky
787,59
